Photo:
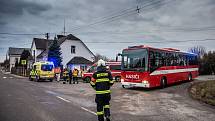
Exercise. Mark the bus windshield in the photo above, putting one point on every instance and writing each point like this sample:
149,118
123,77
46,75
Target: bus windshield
135,60
47,67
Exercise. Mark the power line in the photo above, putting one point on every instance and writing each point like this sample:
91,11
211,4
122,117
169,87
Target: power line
130,12
168,41
212,28
21,33
113,14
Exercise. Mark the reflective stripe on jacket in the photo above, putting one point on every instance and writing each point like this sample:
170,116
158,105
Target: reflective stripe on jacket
102,83
65,73
33,73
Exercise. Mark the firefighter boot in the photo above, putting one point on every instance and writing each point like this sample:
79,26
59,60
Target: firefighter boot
100,117
107,118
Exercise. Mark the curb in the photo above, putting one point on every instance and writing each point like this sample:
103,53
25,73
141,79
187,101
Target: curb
18,76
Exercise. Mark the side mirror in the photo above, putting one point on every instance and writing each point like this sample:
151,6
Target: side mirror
119,54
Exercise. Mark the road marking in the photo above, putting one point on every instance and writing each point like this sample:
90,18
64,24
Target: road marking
63,99
88,110
81,107
4,77
51,92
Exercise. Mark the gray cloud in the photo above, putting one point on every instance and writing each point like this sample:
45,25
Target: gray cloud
17,7
160,22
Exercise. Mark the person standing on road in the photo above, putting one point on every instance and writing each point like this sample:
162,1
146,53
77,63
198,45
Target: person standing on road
57,73
70,76
75,75
101,82
65,75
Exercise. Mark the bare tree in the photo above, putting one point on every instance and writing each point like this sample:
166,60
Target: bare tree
99,56
199,50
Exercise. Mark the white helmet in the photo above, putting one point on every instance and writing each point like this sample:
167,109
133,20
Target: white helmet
101,63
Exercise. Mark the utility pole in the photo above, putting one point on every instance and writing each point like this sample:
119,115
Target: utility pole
47,36
47,42
64,28
138,9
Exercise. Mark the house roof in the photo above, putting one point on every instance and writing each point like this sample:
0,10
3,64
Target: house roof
16,51
41,43
72,37
79,60
42,54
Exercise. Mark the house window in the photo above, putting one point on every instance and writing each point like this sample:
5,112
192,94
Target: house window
72,49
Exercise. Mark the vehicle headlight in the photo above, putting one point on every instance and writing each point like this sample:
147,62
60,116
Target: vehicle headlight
145,82
122,80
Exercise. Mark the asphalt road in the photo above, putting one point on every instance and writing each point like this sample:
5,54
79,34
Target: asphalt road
23,100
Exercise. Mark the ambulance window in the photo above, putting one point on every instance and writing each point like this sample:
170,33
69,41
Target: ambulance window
47,67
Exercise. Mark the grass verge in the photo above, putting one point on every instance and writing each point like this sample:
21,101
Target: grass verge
204,91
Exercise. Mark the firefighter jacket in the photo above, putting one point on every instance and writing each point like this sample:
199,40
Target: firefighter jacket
65,73
33,73
103,81
75,73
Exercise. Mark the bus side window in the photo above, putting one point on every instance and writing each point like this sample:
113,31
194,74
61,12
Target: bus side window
168,59
151,60
192,60
162,59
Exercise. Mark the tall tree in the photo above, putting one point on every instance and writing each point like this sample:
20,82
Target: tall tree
54,54
199,50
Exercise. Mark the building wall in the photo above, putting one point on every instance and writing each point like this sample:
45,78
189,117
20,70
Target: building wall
80,50
37,51
13,60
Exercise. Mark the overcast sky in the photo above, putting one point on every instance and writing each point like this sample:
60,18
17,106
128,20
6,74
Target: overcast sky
158,23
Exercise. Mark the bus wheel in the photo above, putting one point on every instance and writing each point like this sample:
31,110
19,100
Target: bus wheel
190,77
50,80
87,79
163,82
118,79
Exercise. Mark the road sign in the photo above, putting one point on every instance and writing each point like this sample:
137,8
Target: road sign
23,62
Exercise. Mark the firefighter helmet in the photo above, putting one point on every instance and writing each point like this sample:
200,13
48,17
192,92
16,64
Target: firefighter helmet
101,63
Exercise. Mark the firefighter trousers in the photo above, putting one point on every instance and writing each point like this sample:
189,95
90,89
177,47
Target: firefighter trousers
103,106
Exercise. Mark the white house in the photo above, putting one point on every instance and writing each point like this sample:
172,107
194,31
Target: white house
14,55
38,48
75,54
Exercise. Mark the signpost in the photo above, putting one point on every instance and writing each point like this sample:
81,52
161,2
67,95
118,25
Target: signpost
23,62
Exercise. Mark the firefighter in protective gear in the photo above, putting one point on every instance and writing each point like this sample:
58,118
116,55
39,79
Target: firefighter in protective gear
75,75
65,75
103,80
33,75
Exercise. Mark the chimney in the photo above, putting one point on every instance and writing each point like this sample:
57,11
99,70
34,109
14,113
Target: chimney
60,36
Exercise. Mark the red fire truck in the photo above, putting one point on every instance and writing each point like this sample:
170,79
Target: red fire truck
144,66
114,67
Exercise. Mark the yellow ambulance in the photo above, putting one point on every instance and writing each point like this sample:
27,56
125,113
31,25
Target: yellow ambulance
43,70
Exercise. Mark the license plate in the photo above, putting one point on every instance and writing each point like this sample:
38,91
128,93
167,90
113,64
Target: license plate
132,84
